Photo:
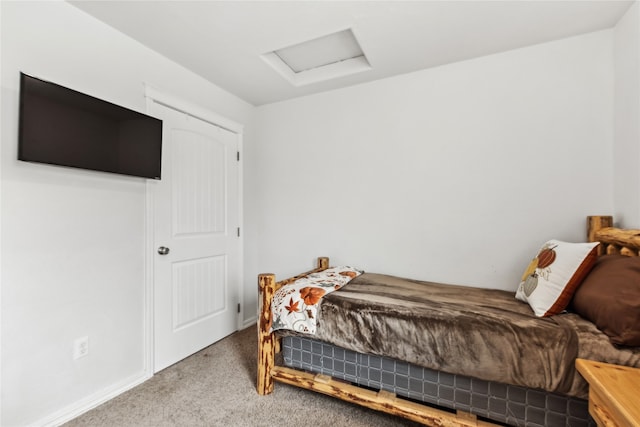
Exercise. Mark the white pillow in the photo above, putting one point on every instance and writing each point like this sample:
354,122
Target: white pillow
551,279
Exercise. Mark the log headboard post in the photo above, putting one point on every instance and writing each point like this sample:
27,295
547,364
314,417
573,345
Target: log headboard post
266,339
594,224
613,240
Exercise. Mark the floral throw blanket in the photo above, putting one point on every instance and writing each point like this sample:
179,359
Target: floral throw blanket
295,306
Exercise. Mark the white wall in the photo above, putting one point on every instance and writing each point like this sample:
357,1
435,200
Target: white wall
454,174
73,241
627,118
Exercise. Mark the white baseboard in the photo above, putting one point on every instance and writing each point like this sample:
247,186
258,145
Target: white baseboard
80,407
249,322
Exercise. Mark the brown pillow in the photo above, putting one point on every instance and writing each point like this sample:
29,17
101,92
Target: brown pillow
610,298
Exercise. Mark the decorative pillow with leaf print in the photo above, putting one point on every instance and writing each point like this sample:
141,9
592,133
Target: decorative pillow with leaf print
554,274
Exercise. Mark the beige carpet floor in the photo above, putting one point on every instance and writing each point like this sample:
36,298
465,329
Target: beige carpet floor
216,387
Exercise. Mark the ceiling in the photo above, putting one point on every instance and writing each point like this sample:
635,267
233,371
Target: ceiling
223,41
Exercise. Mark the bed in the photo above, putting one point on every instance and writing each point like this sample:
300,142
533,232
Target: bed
483,358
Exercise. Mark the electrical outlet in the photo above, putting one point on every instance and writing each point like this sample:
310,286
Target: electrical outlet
80,347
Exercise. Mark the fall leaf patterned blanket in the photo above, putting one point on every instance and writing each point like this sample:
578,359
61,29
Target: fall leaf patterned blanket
295,306
481,333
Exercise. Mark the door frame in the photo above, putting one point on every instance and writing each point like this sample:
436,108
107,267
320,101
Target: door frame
154,95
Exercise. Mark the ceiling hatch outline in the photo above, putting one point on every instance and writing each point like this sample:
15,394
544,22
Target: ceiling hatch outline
323,58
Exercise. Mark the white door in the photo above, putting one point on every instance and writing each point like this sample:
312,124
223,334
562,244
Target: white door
196,219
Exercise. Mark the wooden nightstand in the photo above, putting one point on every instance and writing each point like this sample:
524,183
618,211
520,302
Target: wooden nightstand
614,393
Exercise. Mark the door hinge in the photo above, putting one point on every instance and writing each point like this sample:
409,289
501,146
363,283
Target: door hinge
238,307
238,155
238,231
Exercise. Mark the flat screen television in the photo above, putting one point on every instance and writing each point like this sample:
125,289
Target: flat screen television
60,126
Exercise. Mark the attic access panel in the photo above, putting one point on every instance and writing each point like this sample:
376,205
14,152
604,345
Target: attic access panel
324,58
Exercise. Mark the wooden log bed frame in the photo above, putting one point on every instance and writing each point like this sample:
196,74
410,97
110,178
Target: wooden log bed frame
599,228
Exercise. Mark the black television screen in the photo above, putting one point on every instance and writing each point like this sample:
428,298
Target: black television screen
60,126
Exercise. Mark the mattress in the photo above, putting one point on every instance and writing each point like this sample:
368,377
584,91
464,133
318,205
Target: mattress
479,333
508,404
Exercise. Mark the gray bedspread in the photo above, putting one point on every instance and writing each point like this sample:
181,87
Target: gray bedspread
481,333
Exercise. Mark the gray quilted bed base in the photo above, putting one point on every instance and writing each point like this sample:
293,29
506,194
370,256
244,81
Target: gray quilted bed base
502,403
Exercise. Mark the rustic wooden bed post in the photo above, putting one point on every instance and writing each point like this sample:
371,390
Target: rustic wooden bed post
594,224
266,340
613,240
323,263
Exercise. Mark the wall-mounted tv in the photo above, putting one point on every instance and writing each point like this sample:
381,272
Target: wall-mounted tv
61,126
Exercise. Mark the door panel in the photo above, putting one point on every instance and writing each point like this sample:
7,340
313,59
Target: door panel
196,284
199,290
199,178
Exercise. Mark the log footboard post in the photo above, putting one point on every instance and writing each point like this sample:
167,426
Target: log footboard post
323,263
266,340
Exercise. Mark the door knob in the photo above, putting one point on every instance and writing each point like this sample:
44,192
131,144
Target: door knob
162,250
